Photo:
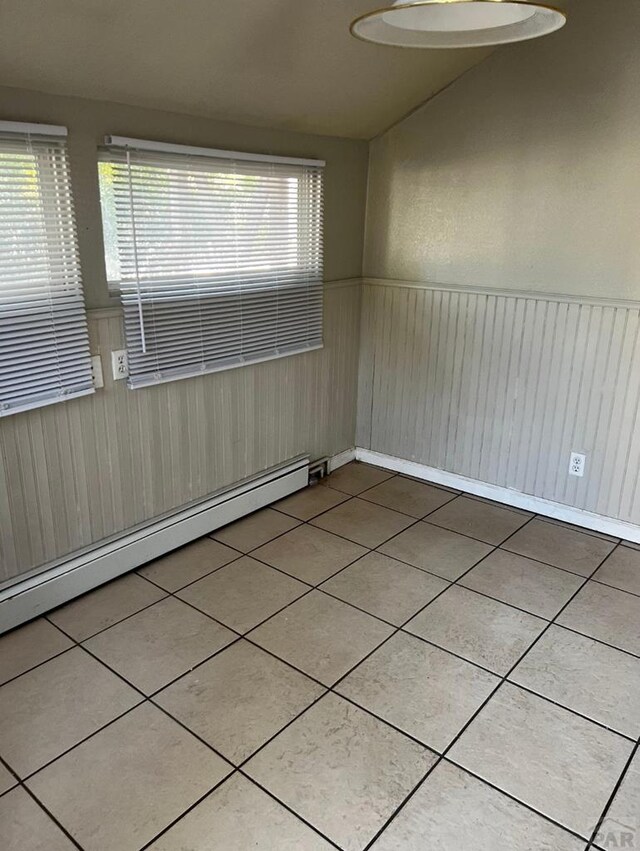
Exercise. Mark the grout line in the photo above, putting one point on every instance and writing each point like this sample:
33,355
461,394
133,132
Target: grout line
193,581
598,640
331,688
58,824
502,602
477,713
600,536
452,498
615,588
47,615
188,810
512,797
569,709
38,664
288,808
85,739
614,793
21,785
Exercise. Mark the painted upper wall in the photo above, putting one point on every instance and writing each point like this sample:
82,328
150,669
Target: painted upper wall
289,64
525,173
89,121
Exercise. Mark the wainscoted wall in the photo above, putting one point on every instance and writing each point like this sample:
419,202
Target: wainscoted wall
502,386
72,474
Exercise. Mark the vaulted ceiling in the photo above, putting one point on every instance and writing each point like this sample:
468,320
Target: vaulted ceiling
280,63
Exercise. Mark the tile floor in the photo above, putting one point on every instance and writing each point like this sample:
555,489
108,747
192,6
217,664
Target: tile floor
374,662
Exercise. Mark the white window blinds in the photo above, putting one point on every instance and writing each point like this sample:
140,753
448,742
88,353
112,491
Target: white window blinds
218,256
44,347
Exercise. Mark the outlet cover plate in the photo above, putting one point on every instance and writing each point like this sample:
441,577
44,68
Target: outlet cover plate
577,464
96,371
119,364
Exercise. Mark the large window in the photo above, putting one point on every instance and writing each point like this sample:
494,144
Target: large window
44,347
217,256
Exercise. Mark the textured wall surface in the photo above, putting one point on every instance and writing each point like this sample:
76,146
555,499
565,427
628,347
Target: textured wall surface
89,121
502,387
74,473
523,174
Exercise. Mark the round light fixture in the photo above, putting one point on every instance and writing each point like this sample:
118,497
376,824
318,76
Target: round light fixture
457,23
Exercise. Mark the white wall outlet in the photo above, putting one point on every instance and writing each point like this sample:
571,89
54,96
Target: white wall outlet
577,464
96,371
119,364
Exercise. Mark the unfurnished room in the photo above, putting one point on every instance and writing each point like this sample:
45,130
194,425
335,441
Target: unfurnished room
319,425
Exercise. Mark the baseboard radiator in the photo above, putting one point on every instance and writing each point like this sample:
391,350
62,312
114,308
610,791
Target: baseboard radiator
56,584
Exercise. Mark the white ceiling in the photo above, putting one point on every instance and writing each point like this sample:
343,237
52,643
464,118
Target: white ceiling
279,63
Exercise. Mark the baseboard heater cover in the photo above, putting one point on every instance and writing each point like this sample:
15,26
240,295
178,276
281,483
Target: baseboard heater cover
34,595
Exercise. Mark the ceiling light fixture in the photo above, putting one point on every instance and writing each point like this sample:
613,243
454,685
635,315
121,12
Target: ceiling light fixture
457,23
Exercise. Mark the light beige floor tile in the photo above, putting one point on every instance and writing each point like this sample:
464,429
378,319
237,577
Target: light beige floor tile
453,811
562,765
187,564
439,551
309,554
586,676
607,614
121,787
7,780
560,546
239,699
480,629
159,644
408,496
497,504
426,692
621,570
341,769
253,531
363,522
565,525
385,587
239,816
310,502
522,582
54,706
356,477
243,593
481,520
321,636
105,606
24,826
29,645
621,826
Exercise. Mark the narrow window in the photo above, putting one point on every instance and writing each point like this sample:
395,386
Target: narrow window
44,346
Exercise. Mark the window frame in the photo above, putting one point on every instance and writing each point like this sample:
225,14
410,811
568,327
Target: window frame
44,342
119,152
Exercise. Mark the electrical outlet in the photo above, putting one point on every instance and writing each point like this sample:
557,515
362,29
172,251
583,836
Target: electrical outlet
577,464
119,364
96,372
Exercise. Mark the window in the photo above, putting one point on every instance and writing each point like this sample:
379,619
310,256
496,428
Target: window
217,256
44,346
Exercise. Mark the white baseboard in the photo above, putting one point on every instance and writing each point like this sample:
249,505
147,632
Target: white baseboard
516,499
30,597
341,459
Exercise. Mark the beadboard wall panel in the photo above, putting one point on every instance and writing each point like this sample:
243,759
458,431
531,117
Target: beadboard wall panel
75,473
501,386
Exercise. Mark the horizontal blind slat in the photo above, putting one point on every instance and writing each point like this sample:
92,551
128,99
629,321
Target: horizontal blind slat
219,261
44,344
